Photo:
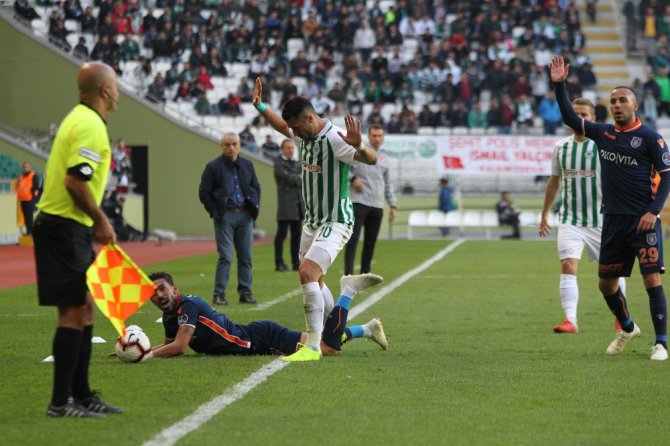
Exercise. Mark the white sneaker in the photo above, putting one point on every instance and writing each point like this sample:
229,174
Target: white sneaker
360,282
377,333
620,342
658,353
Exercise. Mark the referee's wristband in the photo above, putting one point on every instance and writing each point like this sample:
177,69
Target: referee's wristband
261,107
360,148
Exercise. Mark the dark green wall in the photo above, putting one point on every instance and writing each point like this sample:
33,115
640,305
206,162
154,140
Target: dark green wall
38,88
20,155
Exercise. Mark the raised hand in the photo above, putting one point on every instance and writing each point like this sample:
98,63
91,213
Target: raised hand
257,95
558,69
353,136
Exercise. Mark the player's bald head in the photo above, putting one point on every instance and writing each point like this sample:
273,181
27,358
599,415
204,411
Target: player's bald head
92,76
625,90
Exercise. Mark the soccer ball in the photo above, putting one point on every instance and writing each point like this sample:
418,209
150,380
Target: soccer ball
133,346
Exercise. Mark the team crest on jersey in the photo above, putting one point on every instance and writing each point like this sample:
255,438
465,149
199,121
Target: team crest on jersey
635,142
666,158
182,319
651,239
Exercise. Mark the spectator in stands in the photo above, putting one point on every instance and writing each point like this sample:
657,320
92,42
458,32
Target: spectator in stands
394,126
183,92
445,202
442,117
550,113
355,98
156,92
310,89
477,117
230,105
107,28
323,105
245,90
500,115
58,35
248,140
204,78
459,115
663,82
293,29
270,148
650,109
521,86
338,95
372,92
524,113
25,11
426,117
573,86
508,214
215,64
299,65
172,75
465,91
202,106
630,13
409,123
130,49
80,50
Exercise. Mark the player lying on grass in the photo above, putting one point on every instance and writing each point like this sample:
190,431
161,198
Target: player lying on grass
190,321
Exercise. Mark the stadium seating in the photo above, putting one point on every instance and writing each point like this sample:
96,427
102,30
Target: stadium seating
463,220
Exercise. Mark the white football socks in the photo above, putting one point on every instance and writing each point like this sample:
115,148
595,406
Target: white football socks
313,300
328,302
569,293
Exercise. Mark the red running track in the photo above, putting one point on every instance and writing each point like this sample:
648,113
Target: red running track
17,264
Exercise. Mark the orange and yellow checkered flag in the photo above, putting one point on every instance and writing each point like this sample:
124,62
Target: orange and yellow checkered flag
118,286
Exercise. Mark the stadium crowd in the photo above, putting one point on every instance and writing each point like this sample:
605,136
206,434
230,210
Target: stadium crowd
401,64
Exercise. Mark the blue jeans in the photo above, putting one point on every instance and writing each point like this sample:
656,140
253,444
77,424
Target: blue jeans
234,230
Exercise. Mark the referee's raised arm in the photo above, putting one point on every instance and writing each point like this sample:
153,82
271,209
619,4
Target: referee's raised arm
274,119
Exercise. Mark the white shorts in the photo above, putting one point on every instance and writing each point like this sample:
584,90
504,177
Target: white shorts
321,245
573,239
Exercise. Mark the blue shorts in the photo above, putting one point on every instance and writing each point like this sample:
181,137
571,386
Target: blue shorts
621,243
268,337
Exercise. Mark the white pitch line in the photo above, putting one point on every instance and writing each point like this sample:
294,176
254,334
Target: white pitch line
280,299
170,435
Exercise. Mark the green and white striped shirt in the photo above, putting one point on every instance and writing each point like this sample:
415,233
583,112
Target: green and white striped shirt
325,162
577,165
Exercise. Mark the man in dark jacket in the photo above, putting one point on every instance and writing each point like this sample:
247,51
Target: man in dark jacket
290,207
231,194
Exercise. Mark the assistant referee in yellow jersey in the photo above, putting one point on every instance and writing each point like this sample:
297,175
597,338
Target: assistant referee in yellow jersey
69,219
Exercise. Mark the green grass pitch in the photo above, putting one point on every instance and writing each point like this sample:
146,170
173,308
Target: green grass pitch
472,361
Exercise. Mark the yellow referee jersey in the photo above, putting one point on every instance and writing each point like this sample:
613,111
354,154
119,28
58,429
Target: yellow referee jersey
81,141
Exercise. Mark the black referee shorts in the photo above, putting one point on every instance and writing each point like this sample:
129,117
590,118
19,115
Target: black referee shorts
63,253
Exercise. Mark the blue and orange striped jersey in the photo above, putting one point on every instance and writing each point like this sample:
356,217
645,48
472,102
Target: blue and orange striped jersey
630,159
214,332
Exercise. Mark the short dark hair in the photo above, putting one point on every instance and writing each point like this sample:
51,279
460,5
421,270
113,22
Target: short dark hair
161,275
626,88
375,127
296,108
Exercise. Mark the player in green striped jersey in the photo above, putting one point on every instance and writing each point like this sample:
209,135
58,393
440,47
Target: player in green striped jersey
575,169
326,153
